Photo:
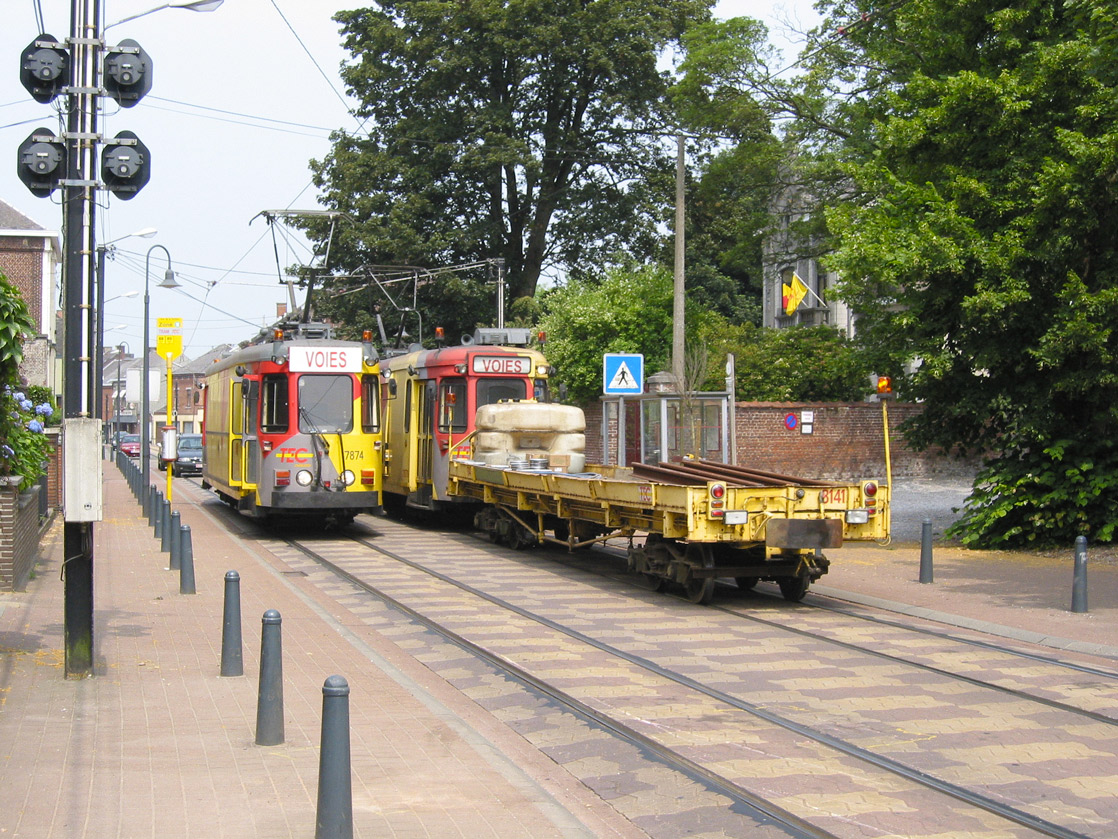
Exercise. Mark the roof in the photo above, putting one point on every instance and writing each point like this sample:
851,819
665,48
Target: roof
13,219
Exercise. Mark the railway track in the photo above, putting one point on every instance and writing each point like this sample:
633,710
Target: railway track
710,697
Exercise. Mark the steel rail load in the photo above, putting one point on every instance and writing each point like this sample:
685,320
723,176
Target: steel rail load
292,425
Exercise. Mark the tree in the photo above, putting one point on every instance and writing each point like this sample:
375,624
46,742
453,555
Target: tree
512,129
976,147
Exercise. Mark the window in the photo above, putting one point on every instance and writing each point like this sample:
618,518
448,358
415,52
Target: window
492,391
370,403
325,404
452,405
274,413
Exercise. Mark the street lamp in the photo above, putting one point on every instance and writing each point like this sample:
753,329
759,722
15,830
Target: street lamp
168,282
116,413
189,5
99,360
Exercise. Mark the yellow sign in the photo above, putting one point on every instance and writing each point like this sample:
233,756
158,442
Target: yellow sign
168,337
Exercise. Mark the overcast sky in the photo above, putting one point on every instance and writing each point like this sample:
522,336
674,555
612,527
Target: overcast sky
242,98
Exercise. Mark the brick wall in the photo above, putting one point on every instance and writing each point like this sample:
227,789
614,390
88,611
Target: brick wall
19,530
21,259
846,441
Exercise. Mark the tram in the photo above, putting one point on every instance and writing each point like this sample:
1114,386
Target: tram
432,402
293,425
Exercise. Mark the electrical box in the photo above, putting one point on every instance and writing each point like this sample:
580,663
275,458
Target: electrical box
81,469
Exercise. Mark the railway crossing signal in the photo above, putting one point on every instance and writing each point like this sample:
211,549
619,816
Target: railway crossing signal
127,73
125,165
45,68
41,160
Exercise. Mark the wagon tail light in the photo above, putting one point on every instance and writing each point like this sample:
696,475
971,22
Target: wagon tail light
869,496
716,500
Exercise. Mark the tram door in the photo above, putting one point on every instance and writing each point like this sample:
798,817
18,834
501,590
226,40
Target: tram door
236,427
250,442
424,433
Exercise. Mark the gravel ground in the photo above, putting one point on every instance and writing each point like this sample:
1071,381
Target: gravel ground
917,499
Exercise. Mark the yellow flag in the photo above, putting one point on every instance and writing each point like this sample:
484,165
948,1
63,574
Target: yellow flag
794,294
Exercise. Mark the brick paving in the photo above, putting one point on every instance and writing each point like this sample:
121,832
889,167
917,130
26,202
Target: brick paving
158,744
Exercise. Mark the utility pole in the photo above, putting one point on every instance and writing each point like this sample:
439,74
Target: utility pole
78,278
44,163
678,310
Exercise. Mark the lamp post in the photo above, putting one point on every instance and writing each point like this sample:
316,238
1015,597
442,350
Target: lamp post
189,5
115,427
168,282
102,249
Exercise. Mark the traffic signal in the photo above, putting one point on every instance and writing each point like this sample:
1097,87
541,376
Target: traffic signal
884,384
125,165
41,162
44,68
127,76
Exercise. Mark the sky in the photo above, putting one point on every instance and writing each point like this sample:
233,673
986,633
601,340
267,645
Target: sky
242,99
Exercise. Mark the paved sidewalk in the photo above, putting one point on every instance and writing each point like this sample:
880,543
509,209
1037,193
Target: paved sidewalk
158,744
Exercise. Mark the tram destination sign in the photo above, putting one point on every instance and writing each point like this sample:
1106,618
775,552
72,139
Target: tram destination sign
324,359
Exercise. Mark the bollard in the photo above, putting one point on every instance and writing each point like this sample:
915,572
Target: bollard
145,501
186,561
149,508
232,663
157,519
335,784
269,702
165,527
1079,580
174,530
926,551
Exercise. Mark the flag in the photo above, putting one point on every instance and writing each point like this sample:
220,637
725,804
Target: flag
794,294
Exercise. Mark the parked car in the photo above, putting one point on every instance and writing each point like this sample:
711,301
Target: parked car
130,444
190,455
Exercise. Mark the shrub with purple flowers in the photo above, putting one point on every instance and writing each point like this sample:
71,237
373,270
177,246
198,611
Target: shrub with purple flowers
23,446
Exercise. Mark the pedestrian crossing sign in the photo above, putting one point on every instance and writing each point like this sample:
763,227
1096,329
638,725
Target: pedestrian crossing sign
623,373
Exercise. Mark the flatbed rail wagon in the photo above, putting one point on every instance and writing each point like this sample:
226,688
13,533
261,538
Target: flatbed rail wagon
688,523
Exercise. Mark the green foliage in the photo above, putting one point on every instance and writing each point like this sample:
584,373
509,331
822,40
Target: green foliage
976,147
516,129
629,311
1044,497
801,364
23,450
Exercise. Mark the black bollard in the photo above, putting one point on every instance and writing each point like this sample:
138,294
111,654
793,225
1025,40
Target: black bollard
149,508
232,663
145,500
174,531
335,784
157,518
269,702
186,561
926,551
165,527
1079,580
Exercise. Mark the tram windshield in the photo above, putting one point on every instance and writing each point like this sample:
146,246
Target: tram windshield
492,391
325,404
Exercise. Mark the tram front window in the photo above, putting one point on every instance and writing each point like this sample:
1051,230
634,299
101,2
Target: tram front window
492,391
325,404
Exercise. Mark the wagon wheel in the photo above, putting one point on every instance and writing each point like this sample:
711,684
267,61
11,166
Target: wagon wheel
519,538
699,589
794,588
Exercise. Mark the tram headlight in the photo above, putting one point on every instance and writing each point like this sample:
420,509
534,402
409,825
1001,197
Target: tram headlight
304,477
348,477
